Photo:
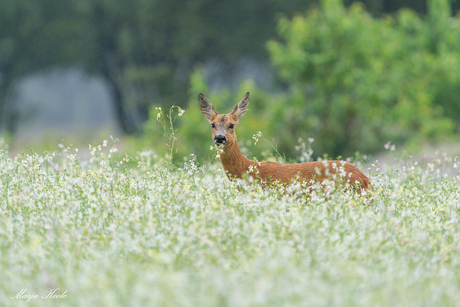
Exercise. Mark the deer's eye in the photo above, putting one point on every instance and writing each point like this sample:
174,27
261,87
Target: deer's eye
213,126
231,126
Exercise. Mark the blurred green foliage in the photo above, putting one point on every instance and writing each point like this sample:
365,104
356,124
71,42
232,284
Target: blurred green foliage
145,50
354,82
354,79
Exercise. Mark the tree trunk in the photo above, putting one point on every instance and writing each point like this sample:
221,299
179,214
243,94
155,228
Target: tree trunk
8,116
124,119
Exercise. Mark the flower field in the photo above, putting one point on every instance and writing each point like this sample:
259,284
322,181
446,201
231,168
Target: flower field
107,231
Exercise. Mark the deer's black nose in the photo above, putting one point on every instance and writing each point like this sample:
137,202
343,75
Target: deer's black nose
220,139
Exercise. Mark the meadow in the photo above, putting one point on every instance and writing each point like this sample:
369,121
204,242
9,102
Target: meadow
114,230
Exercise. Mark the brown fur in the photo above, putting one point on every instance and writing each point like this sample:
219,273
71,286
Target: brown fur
235,164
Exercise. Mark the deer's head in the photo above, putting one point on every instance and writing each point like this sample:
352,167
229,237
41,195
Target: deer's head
223,125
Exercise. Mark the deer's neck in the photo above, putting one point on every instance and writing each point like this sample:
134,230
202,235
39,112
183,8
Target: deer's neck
233,161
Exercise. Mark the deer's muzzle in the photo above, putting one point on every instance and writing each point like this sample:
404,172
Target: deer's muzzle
220,140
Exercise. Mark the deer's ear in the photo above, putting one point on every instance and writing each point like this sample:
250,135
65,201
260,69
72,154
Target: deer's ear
206,107
241,107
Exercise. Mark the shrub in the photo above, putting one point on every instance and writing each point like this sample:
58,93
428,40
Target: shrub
357,81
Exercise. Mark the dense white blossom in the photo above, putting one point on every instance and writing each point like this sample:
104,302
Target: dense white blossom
126,231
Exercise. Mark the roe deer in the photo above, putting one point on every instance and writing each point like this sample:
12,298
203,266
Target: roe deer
235,164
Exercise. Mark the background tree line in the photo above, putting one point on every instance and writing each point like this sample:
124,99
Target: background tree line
352,75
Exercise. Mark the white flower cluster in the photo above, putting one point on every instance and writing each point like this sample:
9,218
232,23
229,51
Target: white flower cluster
256,137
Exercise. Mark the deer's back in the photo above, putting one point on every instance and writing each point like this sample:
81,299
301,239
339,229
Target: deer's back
317,171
